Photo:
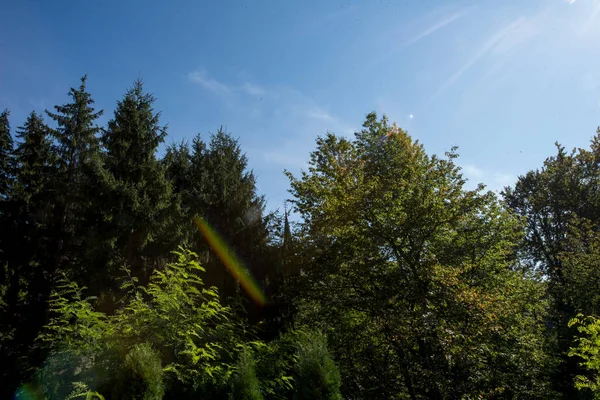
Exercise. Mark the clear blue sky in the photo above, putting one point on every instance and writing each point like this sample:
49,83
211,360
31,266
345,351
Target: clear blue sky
503,80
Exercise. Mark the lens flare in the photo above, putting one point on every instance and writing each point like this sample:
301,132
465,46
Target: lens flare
229,259
28,392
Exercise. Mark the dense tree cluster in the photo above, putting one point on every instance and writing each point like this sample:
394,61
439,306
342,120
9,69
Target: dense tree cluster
129,275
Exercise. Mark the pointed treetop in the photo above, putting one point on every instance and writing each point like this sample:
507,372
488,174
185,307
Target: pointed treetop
6,153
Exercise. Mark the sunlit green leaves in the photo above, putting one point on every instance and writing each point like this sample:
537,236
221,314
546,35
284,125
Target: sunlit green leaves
411,274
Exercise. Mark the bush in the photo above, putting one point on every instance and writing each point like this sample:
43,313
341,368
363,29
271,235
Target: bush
245,385
317,376
142,375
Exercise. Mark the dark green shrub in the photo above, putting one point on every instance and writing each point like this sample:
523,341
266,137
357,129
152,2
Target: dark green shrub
245,385
141,375
317,376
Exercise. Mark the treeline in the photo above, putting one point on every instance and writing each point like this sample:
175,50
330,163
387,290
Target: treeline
126,275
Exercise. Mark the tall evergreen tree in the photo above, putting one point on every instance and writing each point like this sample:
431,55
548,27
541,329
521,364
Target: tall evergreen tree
78,152
6,149
26,240
8,351
138,192
35,161
177,164
33,205
227,199
6,172
32,197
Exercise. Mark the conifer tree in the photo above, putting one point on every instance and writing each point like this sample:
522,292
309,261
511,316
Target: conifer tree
78,152
6,172
137,191
6,149
26,238
32,201
225,195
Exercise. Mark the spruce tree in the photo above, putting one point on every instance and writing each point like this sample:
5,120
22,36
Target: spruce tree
6,149
33,200
225,195
6,172
78,152
25,239
177,164
138,192
8,351
34,158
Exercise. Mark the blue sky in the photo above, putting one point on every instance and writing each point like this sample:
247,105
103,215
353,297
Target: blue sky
503,80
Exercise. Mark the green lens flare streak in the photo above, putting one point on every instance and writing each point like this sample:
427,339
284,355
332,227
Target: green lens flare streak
233,264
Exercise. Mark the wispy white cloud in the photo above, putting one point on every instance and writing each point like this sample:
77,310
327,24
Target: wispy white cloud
253,89
265,110
434,28
201,77
319,113
398,44
493,41
592,20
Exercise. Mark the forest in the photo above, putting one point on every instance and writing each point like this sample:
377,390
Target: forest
131,272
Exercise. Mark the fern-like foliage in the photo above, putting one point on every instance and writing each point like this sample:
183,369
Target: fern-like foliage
175,323
587,349
82,391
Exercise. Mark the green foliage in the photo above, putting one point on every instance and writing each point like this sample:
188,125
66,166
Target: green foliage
82,391
26,244
6,155
75,338
317,376
212,180
275,365
183,318
244,383
420,287
77,149
135,193
142,374
560,204
175,314
83,201
413,276
587,349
